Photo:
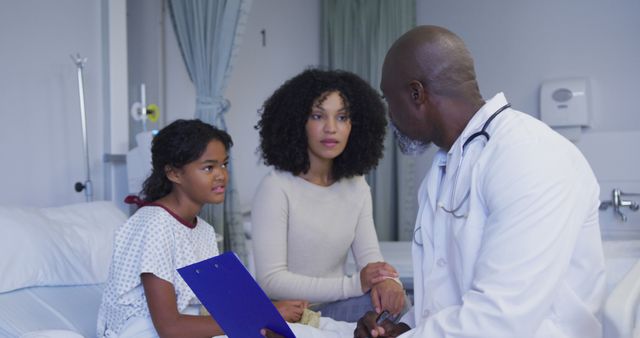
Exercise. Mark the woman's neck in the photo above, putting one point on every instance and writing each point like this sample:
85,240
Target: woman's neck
320,172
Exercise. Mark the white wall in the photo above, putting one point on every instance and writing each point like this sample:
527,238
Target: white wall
40,132
292,44
516,46
519,44
116,99
145,46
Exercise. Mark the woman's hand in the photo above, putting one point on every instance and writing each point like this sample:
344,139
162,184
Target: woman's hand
291,310
374,273
388,295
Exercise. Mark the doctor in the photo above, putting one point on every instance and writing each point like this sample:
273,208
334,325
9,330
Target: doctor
507,240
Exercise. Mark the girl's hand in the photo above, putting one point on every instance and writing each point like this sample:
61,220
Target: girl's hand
374,273
270,334
291,310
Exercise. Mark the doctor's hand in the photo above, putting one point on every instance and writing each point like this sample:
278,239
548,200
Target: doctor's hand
291,310
367,327
388,295
374,273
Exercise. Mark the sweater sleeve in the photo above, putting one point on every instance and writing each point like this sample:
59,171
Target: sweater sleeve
269,217
365,246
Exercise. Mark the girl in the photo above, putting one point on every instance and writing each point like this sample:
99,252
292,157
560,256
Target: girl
321,131
144,295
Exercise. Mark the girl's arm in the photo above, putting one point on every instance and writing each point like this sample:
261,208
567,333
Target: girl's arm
161,299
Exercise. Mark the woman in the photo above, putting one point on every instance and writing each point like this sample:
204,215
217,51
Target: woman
321,131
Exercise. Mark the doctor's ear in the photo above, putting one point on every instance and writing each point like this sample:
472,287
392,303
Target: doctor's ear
417,91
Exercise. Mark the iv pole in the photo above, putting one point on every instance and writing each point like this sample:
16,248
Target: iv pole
79,186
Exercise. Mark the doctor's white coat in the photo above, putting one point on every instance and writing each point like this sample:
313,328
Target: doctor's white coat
526,259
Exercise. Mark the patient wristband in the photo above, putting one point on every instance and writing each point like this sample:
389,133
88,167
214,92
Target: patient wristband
397,280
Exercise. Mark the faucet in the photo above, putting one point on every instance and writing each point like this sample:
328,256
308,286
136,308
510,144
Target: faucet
617,203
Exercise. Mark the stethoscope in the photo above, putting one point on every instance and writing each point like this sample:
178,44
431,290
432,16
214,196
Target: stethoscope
454,211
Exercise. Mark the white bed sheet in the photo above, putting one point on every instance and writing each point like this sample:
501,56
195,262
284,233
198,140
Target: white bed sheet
623,288
73,308
620,256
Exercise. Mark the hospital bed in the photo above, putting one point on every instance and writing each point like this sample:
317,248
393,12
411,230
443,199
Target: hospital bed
55,261
397,254
53,265
621,314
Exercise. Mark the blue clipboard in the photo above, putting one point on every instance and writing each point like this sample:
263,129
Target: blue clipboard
231,295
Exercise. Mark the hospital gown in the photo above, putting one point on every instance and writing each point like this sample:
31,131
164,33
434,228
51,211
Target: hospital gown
151,241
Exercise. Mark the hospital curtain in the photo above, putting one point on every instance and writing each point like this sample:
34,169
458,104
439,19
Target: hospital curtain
209,33
356,35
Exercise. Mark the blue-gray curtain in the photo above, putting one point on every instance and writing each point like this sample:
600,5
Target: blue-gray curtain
356,35
209,33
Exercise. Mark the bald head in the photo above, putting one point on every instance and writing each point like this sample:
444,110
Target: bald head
437,58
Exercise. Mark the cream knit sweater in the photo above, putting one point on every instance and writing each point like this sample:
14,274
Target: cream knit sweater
302,233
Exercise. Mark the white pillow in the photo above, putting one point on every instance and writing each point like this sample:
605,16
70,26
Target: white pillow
67,245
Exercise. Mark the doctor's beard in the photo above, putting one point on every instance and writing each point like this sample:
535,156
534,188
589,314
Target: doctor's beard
407,145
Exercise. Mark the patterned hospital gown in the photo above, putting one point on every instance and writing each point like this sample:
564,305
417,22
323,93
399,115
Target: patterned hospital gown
152,241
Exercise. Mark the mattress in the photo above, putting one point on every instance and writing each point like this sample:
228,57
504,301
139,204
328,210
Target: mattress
622,311
620,257
73,308
398,254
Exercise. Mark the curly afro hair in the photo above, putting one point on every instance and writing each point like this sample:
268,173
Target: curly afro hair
283,138
178,144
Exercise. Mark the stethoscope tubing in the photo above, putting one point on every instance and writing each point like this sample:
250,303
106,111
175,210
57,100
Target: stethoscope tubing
482,132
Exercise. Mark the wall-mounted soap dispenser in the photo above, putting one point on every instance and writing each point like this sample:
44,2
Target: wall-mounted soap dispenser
564,106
